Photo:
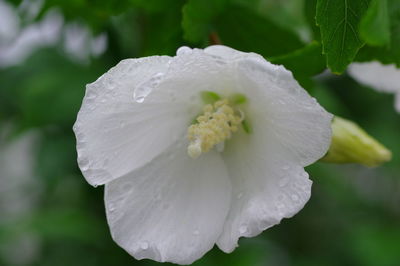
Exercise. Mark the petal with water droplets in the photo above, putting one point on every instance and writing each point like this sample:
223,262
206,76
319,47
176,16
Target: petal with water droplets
171,210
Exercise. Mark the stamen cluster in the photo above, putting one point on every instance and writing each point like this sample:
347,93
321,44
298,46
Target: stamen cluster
215,125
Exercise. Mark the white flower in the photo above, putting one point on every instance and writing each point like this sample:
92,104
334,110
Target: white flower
174,187
384,78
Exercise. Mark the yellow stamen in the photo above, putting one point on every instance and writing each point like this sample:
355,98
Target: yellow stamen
215,125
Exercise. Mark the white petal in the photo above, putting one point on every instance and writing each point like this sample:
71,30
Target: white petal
288,117
397,102
114,133
227,52
264,191
194,71
290,131
381,77
172,210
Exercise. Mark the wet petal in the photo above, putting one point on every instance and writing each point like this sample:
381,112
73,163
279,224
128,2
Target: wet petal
116,134
171,210
289,131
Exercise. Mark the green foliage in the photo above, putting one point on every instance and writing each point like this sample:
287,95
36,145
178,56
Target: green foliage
359,206
375,25
390,53
310,10
197,18
338,21
304,62
239,27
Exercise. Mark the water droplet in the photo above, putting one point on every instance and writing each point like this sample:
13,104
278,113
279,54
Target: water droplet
304,174
280,206
143,90
140,93
155,80
243,229
240,195
283,182
295,197
111,207
83,164
196,232
144,245
183,50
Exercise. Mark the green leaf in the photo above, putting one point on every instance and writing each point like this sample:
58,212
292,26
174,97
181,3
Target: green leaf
391,53
162,38
310,11
338,21
375,25
304,63
246,30
197,18
152,5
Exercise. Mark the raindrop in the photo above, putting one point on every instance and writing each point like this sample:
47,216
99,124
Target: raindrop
196,232
183,50
283,182
295,197
143,90
144,245
243,229
280,206
111,207
304,175
83,164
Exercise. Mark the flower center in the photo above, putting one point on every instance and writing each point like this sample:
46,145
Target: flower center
217,123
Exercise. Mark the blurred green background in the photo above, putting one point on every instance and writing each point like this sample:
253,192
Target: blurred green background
49,50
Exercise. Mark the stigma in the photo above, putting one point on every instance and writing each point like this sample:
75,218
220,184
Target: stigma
215,125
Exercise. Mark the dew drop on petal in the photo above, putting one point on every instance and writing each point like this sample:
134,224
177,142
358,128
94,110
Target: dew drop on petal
283,182
183,50
144,89
140,93
111,207
304,175
280,206
144,245
243,229
294,197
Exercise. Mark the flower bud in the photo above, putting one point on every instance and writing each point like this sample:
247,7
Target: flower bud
351,144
